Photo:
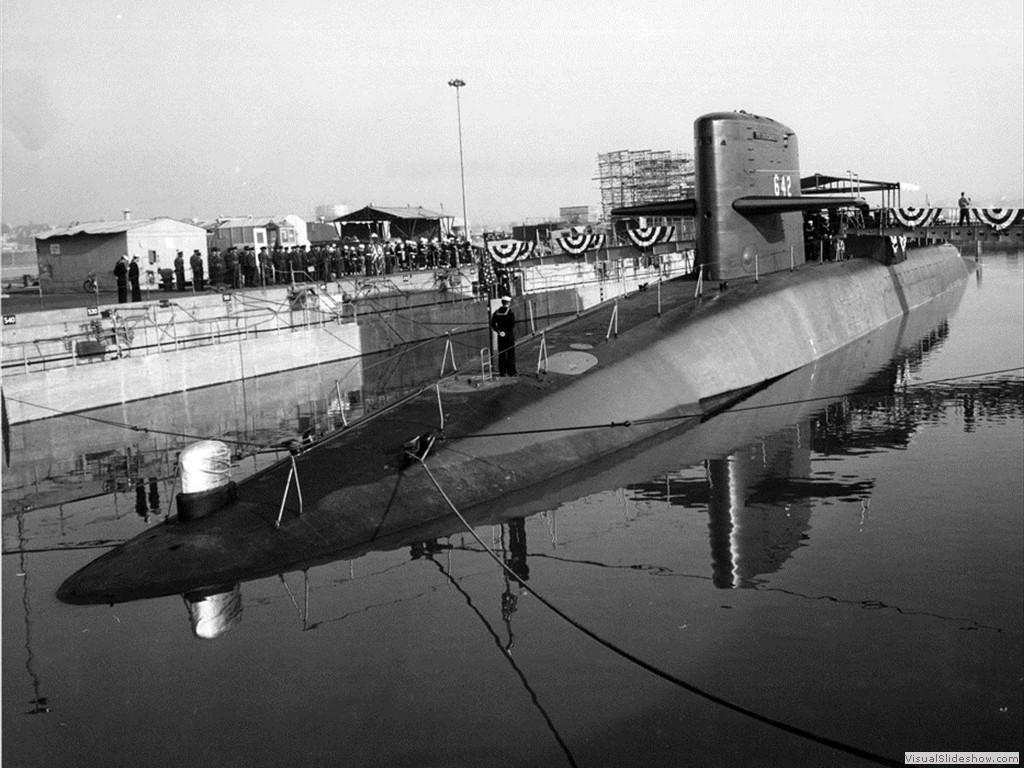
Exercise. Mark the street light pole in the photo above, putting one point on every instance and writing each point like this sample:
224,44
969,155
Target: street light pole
456,83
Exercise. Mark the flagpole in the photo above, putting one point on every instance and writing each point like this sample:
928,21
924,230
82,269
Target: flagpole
458,84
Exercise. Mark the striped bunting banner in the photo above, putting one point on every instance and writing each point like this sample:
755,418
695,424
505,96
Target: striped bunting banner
644,237
507,251
899,245
576,244
915,217
999,218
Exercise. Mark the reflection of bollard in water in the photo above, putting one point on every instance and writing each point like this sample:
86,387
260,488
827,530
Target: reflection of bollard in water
141,509
206,484
214,611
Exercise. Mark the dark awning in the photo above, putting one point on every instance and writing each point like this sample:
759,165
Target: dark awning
751,206
820,183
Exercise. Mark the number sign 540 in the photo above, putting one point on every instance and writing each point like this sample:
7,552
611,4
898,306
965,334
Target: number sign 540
783,185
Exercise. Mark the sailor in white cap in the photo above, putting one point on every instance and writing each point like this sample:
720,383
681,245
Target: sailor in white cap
503,323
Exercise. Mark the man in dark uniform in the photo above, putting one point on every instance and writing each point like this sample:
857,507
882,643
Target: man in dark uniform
121,275
196,262
263,267
216,267
133,278
249,266
179,271
231,267
503,322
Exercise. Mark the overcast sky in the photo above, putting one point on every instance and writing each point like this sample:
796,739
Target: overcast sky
193,109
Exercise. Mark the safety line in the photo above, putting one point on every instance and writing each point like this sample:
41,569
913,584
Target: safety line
736,409
134,428
667,676
265,448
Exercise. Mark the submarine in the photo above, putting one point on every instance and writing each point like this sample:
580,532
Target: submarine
616,377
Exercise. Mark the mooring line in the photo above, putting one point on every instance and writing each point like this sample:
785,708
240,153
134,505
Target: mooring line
511,661
696,690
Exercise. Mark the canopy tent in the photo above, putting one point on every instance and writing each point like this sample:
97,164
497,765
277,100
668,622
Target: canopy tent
823,184
406,223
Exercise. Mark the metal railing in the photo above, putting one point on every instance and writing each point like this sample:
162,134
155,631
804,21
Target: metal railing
125,334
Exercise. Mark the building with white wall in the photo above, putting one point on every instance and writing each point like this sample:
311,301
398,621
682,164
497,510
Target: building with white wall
68,254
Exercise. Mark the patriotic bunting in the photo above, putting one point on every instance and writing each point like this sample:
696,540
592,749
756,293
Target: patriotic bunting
577,243
507,251
916,217
899,245
644,237
999,218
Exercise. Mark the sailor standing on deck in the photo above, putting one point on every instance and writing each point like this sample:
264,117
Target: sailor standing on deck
503,322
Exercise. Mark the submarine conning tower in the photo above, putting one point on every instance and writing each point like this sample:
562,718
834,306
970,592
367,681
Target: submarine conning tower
741,160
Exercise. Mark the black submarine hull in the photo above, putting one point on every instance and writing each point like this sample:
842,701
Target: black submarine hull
517,439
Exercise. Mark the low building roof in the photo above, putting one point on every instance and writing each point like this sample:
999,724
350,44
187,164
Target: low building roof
247,221
106,227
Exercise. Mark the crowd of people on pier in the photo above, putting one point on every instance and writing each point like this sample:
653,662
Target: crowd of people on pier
245,267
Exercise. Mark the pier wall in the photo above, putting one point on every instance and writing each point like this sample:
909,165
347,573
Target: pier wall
70,389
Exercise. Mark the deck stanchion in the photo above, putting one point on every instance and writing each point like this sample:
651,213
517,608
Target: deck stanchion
293,472
700,282
613,323
542,353
341,402
486,371
756,276
792,259
440,408
448,352
659,298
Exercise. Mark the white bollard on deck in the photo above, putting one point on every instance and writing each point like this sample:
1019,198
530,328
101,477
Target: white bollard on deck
206,484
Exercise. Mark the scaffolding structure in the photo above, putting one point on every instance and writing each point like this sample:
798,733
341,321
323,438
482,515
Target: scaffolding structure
635,177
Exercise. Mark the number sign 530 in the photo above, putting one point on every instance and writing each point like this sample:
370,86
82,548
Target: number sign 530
783,185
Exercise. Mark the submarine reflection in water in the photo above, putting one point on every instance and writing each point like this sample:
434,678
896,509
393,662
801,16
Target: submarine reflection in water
751,534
